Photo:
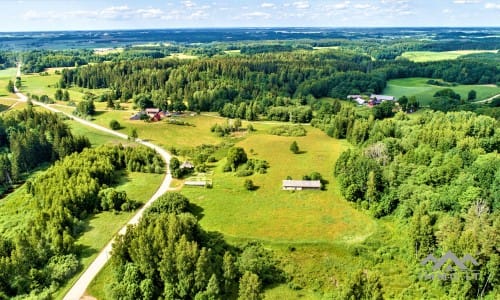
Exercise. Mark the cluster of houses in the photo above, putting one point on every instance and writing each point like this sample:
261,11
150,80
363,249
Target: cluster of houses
372,101
153,114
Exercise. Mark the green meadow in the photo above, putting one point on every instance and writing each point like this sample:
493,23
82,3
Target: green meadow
426,56
424,92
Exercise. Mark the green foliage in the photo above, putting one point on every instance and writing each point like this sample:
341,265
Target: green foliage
133,133
250,287
114,124
10,87
384,110
169,203
438,172
167,255
236,156
249,185
34,138
294,147
363,285
472,95
85,108
287,130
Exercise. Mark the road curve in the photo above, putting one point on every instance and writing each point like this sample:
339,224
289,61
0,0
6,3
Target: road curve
78,289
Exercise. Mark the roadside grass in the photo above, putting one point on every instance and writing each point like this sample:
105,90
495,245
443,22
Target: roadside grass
418,87
96,137
5,76
426,56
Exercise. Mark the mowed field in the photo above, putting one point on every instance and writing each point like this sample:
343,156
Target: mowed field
426,56
424,92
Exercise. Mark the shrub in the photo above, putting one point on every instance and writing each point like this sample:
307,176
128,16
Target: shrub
114,124
288,130
249,185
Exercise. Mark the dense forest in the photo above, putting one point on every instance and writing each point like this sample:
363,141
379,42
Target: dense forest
440,175
270,80
30,138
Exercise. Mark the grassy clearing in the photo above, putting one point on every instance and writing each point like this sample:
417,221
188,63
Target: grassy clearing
308,216
162,133
426,56
96,137
424,92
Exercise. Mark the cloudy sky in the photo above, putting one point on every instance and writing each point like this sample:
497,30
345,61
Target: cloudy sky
30,15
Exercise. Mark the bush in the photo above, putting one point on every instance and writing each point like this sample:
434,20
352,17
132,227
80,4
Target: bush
114,124
288,130
249,186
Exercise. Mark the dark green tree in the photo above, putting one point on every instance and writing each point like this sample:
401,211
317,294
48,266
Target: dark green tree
294,147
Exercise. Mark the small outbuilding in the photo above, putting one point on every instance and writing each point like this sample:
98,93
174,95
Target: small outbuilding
299,185
187,165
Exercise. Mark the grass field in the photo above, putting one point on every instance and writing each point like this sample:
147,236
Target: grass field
424,92
5,76
162,133
425,56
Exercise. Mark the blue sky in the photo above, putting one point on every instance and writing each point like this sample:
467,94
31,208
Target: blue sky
28,15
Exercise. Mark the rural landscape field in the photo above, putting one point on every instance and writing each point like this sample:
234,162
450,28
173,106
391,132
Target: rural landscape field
274,150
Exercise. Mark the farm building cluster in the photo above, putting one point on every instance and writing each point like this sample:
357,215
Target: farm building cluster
152,114
372,100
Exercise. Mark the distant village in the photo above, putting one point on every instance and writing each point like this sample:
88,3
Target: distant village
372,100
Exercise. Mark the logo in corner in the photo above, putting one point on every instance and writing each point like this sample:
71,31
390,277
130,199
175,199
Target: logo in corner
456,269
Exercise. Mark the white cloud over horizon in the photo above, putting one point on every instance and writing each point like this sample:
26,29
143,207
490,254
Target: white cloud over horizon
115,14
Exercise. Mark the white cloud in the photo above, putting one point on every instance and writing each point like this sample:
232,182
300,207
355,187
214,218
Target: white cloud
446,11
339,6
268,5
150,13
466,1
188,4
362,6
301,4
256,15
492,5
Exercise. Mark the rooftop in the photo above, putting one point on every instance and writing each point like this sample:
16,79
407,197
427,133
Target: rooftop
302,183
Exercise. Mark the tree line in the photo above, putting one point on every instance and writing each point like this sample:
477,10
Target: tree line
439,174
32,138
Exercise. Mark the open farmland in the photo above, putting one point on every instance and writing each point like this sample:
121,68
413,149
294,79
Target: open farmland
426,56
424,92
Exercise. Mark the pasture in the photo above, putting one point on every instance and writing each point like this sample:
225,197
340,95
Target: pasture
424,92
426,56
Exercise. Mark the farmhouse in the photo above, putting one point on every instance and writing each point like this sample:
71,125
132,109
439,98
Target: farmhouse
377,99
136,116
152,111
298,185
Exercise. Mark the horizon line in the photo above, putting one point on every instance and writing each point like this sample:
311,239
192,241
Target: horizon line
260,27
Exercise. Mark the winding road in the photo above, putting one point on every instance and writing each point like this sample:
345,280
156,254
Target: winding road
79,288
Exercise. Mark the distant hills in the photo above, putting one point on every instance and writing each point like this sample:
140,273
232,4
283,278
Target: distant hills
119,38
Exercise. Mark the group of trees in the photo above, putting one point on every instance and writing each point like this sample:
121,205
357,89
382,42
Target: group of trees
43,255
168,255
33,138
439,173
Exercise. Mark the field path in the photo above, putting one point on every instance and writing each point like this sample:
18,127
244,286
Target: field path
487,100
78,289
